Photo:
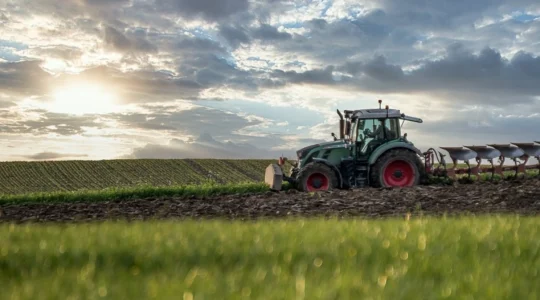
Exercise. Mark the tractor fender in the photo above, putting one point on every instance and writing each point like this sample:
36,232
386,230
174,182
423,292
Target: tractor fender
326,162
383,148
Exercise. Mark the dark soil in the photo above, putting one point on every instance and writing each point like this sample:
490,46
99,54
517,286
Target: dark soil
521,197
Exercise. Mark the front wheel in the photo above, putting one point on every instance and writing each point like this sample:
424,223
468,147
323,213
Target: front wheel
396,168
316,177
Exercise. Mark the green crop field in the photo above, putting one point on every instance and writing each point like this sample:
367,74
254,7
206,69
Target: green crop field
53,181
466,258
57,176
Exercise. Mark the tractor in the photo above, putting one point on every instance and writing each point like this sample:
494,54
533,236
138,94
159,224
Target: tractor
370,151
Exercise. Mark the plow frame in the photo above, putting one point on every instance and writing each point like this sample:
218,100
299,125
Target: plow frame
519,153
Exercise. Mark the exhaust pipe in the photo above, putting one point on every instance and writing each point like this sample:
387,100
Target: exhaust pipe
341,125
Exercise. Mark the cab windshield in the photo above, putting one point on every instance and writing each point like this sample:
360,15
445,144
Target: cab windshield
372,132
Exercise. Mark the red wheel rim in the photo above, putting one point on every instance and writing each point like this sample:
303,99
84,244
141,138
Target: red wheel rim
317,182
398,173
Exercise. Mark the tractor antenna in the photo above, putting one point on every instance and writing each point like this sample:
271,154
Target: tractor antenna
380,101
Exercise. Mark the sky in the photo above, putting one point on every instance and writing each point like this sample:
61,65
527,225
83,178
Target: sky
117,79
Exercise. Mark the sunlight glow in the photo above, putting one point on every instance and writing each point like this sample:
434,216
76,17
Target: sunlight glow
80,99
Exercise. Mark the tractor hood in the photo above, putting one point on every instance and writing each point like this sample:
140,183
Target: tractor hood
327,145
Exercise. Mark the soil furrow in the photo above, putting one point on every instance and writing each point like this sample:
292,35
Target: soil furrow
508,197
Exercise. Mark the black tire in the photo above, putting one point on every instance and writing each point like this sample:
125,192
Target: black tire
312,170
404,161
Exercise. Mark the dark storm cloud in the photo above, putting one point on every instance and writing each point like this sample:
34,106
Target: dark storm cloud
486,77
379,69
441,14
52,155
395,29
234,35
333,42
238,34
206,63
316,76
104,3
209,10
120,42
487,72
270,33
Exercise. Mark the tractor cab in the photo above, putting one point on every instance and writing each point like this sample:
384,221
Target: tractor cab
368,129
370,133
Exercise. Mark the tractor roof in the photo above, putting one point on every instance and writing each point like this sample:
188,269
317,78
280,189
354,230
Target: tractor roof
375,113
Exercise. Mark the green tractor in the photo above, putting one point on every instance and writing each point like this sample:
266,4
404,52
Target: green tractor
370,151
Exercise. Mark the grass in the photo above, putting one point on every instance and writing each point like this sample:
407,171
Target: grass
494,257
209,189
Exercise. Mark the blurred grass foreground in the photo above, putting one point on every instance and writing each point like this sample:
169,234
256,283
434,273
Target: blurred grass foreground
493,257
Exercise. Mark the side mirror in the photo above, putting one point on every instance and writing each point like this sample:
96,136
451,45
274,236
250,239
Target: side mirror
334,135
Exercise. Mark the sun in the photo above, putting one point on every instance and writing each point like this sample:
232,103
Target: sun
83,98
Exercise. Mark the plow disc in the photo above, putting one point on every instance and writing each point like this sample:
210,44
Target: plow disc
519,153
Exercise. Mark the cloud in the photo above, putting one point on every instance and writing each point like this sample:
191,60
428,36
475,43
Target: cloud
23,78
478,126
313,56
209,10
441,15
66,53
193,121
6,104
48,123
485,77
316,76
137,86
52,155
234,35
270,33
205,146
118,41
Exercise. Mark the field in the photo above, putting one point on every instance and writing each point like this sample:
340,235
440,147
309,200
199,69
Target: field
55,176
470,258
182,229
91,181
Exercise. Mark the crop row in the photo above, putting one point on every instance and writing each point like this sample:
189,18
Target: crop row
55,176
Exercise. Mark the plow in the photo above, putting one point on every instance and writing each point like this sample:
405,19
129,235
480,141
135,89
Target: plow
371,151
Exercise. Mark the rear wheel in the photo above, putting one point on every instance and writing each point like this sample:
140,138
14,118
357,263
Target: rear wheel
397,168
316,177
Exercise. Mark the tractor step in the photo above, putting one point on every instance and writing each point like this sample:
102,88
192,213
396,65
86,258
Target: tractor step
361,178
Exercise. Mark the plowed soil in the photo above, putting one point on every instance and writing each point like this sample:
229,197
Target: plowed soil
521,197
